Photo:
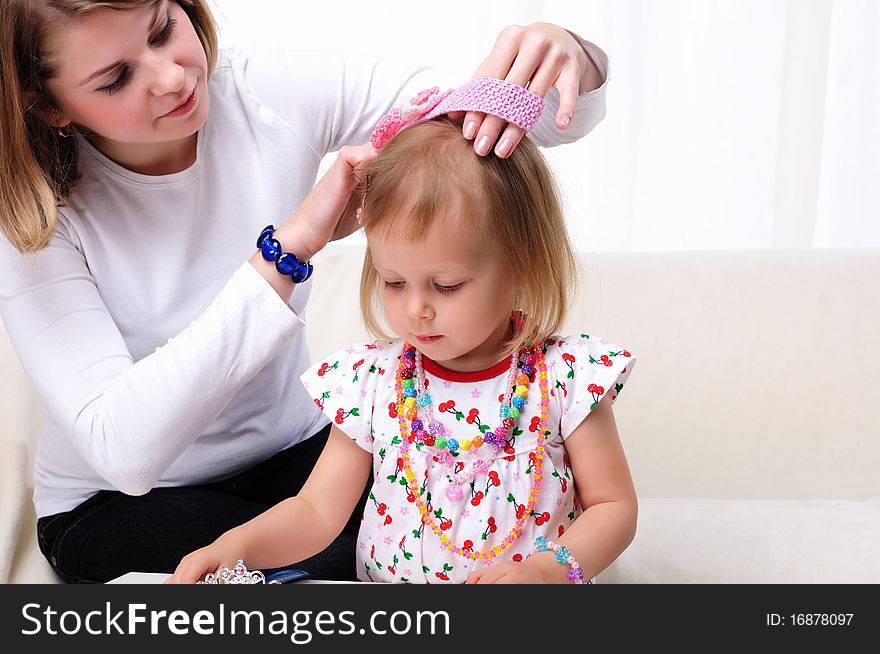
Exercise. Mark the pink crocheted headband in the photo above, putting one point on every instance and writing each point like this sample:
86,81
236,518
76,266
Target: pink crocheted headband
488,95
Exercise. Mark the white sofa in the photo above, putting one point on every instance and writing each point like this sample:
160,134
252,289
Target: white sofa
751,422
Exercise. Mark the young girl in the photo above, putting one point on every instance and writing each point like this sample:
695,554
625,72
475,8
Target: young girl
164,349
492,444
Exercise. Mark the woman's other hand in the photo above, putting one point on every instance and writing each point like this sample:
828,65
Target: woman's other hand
540,56
328,212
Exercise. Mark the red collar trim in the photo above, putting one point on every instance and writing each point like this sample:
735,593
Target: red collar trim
437,370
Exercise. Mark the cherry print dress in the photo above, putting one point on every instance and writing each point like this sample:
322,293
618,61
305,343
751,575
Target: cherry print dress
355,388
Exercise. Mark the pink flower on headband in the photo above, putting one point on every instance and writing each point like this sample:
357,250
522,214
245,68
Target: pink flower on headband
489,95
391,124
411,111
424,101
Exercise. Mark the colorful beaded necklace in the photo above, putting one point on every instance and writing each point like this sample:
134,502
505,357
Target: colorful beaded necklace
439,436
412,393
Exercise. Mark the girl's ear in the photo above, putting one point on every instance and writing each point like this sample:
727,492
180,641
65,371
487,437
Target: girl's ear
44,109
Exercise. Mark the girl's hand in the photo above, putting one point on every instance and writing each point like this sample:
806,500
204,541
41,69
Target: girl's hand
508,572
222,553
542,56
328,212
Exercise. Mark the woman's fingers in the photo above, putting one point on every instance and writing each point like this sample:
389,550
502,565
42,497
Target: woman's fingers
356,156
508,140
327,212
568,84
355,159
519,71
497,64
540,57
488,133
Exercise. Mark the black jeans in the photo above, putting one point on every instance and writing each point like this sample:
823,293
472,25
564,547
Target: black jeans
112,533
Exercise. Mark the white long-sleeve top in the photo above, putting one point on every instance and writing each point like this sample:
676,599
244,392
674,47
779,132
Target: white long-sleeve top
161,356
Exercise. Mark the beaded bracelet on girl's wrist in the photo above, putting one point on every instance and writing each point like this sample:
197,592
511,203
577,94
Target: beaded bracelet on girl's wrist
285,262
562,555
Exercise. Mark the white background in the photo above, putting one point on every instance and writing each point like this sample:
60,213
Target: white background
731,124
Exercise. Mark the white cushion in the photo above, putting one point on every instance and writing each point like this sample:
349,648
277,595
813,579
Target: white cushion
751,541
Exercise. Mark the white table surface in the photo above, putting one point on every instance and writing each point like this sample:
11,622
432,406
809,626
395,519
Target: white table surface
160,577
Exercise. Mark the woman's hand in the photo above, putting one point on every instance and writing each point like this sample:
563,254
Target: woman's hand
542,56
222,553
508,572
328,212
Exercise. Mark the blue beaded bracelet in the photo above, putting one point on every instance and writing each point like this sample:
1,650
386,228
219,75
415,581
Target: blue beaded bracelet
285,262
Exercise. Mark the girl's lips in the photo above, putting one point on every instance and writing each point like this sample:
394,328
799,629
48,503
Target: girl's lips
186,107
427,339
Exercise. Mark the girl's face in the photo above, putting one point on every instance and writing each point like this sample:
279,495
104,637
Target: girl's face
137,79
445,294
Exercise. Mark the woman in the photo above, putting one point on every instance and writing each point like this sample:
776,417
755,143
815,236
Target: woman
166,351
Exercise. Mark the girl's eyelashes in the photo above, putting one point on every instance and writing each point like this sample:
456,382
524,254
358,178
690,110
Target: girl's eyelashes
125,73
448,289
440,287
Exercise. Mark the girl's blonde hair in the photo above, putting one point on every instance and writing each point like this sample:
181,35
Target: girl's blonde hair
38,166
510,206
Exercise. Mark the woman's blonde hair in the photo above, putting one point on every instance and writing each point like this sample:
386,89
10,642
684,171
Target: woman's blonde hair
38,166
510,206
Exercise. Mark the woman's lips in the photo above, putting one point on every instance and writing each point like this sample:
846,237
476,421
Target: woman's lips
186,107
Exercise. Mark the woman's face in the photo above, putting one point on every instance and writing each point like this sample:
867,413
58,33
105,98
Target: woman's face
135,78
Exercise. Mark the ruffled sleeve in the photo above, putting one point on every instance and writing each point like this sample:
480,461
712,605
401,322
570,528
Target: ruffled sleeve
345,386
584,369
